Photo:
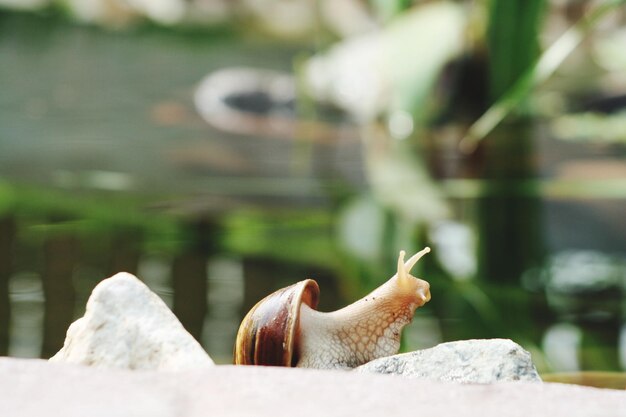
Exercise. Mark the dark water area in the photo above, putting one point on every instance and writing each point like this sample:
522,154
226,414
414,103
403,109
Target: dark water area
106,166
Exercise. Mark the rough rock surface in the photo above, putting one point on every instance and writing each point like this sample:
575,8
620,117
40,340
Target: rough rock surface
128,326
36,388
466,361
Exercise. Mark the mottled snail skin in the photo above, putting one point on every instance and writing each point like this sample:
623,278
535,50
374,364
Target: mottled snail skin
284,329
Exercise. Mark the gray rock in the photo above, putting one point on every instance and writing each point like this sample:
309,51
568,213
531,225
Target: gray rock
466,361
128,326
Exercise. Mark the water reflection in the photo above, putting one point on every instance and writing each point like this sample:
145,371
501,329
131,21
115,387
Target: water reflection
226,296
586,289
561,344
60,258
455,248
7,236
27,316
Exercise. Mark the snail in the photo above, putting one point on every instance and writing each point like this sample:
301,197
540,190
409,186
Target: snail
284,329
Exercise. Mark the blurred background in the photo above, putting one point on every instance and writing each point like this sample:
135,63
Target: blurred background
221,149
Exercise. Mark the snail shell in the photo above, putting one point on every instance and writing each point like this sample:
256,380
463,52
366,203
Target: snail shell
268,332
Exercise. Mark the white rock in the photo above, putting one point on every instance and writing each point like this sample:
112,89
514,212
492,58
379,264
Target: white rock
128,326
34,388
466,361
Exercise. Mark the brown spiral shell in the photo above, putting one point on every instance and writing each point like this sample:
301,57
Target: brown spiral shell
268,332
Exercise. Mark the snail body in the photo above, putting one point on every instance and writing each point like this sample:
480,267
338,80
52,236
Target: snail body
285,329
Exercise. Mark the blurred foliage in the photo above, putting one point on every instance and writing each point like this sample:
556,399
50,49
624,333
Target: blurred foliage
51,212
510,96
421,44
278,235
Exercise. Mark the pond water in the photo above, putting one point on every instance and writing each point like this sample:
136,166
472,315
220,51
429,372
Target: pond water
106,165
